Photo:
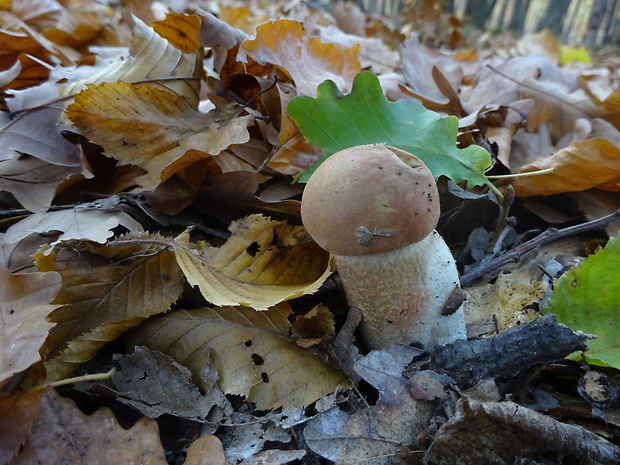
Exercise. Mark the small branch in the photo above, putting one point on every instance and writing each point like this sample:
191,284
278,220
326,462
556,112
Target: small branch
546,237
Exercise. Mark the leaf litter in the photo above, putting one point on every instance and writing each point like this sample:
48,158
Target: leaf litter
151,225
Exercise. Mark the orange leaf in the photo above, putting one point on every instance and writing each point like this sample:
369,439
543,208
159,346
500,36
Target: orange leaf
306,59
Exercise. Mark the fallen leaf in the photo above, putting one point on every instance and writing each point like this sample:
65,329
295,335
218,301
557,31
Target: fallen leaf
180,30
206,450
502,432
80,223
306,59
264,262
25,303
154,129
62,434
580,166
102,302
253,352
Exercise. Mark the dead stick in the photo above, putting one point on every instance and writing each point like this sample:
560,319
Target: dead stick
546,237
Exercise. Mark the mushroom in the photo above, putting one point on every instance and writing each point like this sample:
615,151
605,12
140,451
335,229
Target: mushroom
375,209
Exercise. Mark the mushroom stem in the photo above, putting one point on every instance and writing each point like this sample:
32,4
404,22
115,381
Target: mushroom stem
406,295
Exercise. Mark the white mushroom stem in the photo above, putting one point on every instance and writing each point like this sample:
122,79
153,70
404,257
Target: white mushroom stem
408,295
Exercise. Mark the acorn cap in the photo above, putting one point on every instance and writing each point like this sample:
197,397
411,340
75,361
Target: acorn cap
370,199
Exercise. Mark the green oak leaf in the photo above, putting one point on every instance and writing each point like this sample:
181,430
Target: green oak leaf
334,121
588,298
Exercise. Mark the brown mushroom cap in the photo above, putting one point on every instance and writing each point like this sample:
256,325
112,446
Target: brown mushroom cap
370,199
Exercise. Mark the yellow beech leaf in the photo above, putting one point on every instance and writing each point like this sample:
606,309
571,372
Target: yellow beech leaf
306,59
138,279
180,30
263,262
582,165
253,352
153,129
151,58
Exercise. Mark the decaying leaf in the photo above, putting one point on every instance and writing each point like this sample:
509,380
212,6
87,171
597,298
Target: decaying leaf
254,353
334,121
155,384
101,302
264,262
63,434
382,434
502,432
588,298
25,303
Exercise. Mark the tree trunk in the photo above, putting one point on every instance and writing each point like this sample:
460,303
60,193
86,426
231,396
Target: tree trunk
612,13
480,11
519,12
553,18
449,6
597,15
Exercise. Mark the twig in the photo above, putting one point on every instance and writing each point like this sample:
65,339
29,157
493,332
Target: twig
546,237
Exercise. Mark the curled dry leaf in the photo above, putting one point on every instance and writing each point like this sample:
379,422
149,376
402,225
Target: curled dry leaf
264,262
63,434
24,306
101,302
502,432
152,128
582,165
254,353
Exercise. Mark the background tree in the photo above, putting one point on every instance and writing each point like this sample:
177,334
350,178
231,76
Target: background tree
519,13
553,18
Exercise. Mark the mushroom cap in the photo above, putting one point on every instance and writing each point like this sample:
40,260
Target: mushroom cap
370,199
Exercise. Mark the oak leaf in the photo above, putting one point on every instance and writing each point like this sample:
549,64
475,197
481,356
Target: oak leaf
63,434
306,59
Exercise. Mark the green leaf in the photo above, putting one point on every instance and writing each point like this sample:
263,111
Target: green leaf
588,298
333,121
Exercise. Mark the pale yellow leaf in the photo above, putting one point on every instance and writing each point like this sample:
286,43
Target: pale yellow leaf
24,305
254,353
153,129
101,302
263,263
582,165
151,58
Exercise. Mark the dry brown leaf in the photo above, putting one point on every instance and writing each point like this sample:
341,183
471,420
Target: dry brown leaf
307,60
580,166
101,302
264,262
24,307
18,411
80,223
34,182
254,353
154,129
379,434
315,327
206,450
63,434
505,433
